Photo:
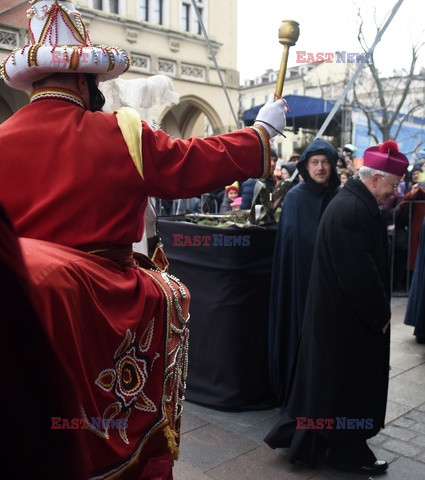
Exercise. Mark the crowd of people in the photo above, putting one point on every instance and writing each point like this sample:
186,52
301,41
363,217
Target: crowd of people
217,202
320,269
404,209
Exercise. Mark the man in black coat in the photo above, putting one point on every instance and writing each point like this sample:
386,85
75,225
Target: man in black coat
339,392
302,208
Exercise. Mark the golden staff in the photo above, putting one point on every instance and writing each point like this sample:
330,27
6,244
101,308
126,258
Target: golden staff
289,32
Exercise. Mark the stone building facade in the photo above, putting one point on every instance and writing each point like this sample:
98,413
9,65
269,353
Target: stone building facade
162,36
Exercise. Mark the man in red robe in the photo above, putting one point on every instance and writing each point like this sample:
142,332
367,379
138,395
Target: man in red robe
75,183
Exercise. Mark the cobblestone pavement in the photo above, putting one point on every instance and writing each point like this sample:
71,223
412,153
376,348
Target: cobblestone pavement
229,445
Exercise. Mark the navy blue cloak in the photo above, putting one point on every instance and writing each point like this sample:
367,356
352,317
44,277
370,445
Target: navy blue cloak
301,212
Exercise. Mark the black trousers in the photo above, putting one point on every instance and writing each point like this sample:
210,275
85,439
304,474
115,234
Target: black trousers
350,454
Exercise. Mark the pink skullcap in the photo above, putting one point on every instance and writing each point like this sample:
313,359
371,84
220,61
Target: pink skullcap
386,158
236,201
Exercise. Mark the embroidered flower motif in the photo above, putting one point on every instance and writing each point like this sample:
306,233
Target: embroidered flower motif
127,379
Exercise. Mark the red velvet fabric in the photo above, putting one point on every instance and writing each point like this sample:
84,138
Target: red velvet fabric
67,176
67,180
110,327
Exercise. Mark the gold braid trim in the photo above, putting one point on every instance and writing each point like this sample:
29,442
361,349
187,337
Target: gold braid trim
32,55
265,144
75,59
3,72
56,93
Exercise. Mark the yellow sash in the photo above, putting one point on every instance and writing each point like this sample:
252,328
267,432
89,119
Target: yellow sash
131,128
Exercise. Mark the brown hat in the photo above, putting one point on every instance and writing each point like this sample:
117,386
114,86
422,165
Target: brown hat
386,158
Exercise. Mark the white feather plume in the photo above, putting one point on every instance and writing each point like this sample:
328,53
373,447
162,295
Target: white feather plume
149,96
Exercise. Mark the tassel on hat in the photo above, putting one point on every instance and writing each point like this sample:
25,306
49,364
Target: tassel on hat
59,42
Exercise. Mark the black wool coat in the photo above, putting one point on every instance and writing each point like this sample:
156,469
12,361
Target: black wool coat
342,366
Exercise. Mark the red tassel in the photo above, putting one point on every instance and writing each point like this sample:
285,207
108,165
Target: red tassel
390,146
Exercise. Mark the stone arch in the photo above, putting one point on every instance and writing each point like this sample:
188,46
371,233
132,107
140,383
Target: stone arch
189,117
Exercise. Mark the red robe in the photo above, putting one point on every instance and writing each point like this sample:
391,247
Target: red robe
67,181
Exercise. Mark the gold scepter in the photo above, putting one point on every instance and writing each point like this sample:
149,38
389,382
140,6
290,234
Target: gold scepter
289,32
288,35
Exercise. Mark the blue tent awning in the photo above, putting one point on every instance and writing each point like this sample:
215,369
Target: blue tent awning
306,112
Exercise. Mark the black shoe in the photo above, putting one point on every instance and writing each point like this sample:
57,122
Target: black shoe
379,466
420,340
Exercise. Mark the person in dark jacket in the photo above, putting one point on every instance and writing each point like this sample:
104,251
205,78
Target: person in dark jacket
339,391
302,208
247,193
248,189
286,171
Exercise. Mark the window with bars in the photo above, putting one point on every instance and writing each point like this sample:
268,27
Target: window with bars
186,17
158,12
144,10
189,19
111,6
9,38
152,11
199,32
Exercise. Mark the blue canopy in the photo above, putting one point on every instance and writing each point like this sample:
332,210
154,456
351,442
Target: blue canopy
306,112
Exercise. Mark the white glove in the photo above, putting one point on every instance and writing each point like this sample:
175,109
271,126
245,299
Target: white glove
272,116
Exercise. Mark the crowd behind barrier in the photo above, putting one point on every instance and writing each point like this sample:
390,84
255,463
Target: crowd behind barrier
207,204
403,244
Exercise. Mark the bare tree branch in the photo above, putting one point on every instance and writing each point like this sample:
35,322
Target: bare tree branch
368,116
384,98
409,79
404,118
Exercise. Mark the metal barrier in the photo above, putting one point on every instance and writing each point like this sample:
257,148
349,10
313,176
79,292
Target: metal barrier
392,232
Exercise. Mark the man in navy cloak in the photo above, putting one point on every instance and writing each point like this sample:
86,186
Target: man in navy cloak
301,212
